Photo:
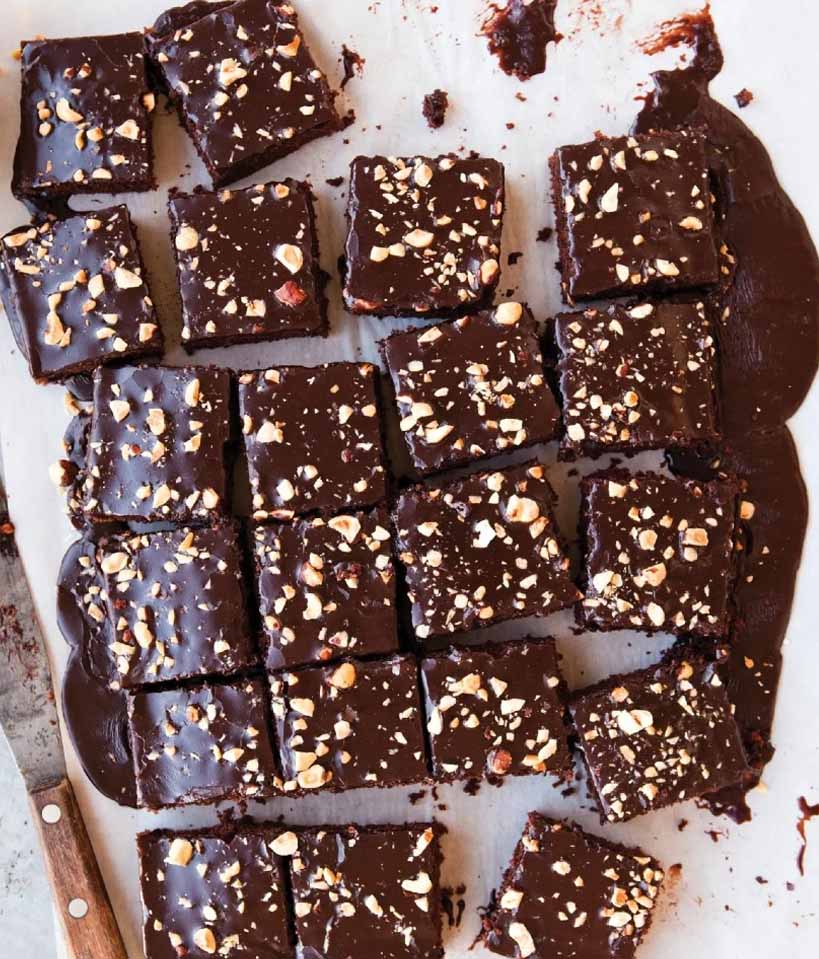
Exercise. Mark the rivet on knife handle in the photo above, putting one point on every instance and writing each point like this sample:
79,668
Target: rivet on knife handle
79,893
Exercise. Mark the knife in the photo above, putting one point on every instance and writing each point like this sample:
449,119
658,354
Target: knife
28,716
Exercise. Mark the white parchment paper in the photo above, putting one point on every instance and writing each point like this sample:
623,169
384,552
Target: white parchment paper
594,75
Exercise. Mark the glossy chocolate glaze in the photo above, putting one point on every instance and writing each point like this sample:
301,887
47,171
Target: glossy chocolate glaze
610,890
350,725
658,553
657,736
247,264
470,388
409,214
518,34
76,293
326,588
75,136
388,877
206,891
769,348
496,710
243,67
481,550
313,438
636,377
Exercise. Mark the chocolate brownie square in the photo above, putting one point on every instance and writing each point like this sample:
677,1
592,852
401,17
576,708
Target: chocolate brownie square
424,235
176,604
76,294
658,553
658,736
247,264
481,550
471,388
496,709
636,378
567,893
369,891
313,438
244,83
156,450
215,892
634,214
326,588
85,124
352,724
201,744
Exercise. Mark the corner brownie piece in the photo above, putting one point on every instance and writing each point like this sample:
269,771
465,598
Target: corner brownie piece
481,550
76,295
313,438
156,449
326,588
634,214
201,744
658,553
247,264
471,388
567,893
85,124
354,724
245,84
369,891
636,378
658,736
496,709
176,603
424,235
221,892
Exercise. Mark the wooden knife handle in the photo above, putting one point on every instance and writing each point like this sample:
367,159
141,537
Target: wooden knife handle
79,893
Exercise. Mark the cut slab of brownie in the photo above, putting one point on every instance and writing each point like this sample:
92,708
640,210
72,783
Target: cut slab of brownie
658,736
245,85
637,377
156,449
247,264
349,725
85,124
76,294
471,388
326,588
481,550
567,893
201,744
496,709
634,214
216,892
424,235
313,438
176,603
369,891
658,553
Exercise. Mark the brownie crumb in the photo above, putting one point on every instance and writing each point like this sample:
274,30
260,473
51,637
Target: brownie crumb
513,257
762,880
744,97
353,64
416,797
545,234
453,907
681,825
435,107
334,181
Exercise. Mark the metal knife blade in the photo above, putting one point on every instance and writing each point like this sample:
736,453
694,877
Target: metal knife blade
28,713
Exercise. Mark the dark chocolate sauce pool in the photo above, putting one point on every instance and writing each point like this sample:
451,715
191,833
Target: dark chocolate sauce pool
769,349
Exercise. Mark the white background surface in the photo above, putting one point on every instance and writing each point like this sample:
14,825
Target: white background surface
590,85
